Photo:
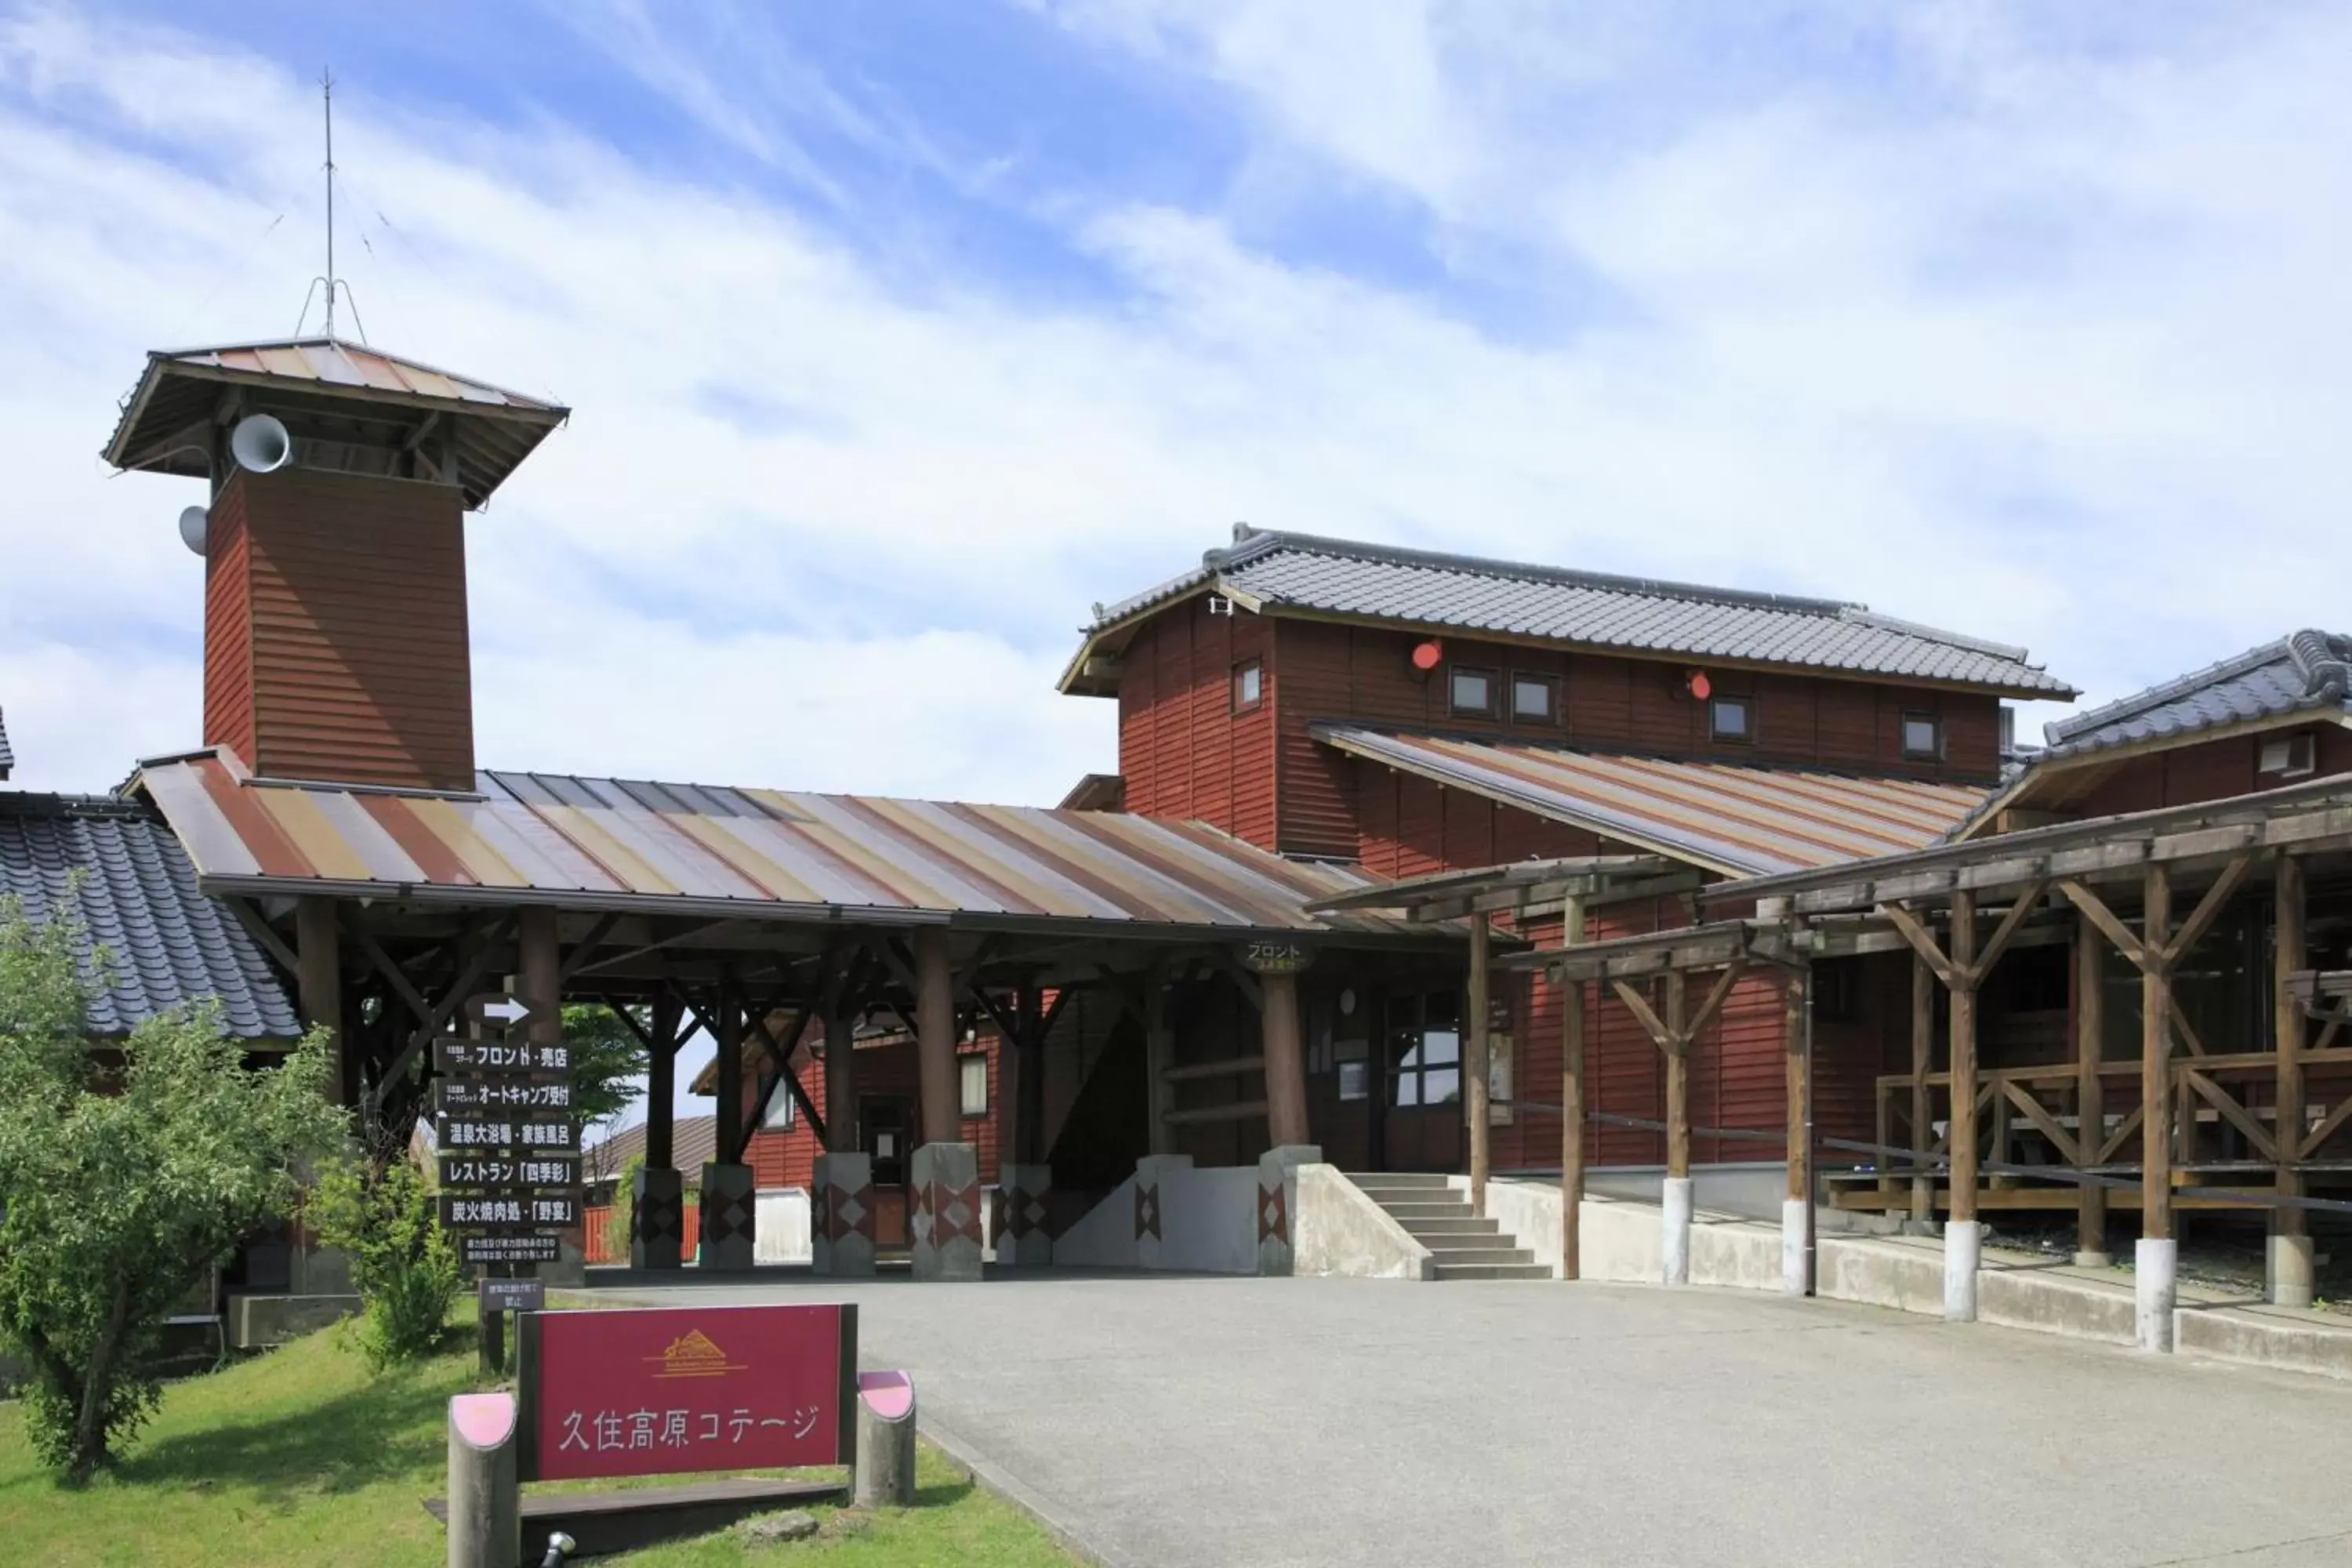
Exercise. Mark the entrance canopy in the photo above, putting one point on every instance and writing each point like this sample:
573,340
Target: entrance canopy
622,846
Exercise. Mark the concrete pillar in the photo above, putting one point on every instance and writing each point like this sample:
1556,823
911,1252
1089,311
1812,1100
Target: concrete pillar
2156,1263
1676,1213
1278,1204
1151,1192
485,1498
935,1036
842,1228
1285,1061
1025,1203
1795,1215
730,1219
944,1205
656,1218
2290,1270
1963,1244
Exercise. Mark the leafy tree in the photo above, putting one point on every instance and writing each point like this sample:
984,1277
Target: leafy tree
127,1179
607,1060
383,1214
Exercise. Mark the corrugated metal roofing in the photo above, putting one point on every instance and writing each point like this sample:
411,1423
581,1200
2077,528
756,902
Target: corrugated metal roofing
1726,816
2306,671
334,362
166,421
170,944
1344,577
606,843
694,1143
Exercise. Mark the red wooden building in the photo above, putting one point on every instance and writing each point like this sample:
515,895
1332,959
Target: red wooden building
1411,713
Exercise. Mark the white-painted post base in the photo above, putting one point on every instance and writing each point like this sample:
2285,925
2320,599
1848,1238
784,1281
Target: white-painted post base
1677,1212
2092,1260
1794,1213
1963,1244
2158,1267
2291,1272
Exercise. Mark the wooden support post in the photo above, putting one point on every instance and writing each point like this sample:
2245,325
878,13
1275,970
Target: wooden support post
1678,1138
1286,1062
840,1078
318,949
2090,1104
1796,1079
726,1027
1963,1057
2156,1058
2290,1262
1571,1101
1923,1057
1159,1056
661,1082
935,1032
1011,1070
1475,1090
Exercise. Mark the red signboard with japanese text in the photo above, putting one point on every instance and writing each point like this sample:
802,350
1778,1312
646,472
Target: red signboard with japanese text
665,1390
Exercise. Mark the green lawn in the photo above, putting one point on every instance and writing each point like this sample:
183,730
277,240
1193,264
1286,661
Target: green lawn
300,1457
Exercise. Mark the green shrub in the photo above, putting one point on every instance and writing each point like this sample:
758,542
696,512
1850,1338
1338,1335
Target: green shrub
383,1216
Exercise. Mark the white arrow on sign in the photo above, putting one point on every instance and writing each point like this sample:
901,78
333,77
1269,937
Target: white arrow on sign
506,1010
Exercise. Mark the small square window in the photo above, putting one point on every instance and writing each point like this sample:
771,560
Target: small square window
1471,692
1249,685
782,1108
1923,737
1535,699
2290,756
971,1070
1732,718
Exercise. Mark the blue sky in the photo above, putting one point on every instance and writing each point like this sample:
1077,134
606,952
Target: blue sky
898,333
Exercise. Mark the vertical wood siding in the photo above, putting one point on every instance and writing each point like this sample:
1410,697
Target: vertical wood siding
229,625
355,631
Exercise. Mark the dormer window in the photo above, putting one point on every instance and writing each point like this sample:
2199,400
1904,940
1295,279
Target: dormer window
1249,685
1470,693
1732,719
2289,757
1923,738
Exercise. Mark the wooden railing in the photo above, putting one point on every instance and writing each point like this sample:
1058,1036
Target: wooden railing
2033,1116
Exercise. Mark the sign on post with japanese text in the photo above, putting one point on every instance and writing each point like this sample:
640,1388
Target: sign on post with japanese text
669,1389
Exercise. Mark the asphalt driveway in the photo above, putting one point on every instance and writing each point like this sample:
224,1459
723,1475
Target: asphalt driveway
1165,1422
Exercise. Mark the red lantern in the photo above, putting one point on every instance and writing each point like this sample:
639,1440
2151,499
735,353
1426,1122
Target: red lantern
1700,685
1425,655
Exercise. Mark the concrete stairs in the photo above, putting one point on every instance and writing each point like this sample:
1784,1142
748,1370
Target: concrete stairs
1438,1216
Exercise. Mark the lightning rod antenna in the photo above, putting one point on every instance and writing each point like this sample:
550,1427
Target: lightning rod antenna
327,96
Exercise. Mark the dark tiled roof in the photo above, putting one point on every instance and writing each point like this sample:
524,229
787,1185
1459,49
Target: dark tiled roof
7,757
170,944
1376,582
693,1143
2306,671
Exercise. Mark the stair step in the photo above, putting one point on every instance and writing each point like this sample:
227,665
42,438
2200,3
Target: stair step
1403,1211
1493,1271
1479,1250
1451,1225
1400,1179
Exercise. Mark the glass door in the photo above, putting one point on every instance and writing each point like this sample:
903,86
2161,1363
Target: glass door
1422,1123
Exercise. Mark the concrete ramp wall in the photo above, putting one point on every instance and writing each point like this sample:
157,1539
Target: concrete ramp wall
1340,1231
1205,1220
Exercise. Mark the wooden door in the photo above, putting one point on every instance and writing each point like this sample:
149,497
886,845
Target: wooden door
885,1128
1421,1103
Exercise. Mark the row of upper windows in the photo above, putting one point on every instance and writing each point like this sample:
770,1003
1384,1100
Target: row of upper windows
1472,692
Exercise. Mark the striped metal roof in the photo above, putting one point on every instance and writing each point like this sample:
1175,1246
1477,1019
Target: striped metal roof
1731,818
335,363
611,844
1274,572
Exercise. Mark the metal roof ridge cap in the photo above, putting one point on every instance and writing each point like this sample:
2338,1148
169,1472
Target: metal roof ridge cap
2058,731
1269,541
345,786
539,403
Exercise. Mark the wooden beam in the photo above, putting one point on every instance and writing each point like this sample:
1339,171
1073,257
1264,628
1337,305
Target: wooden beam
1698,1021
2089,1103
1572,1102
1286,1062
2194,928
2009,927
1231,1066
1797,1063
661,1078
1963,1057
1242,1110
2122,1134
1475,1092
2156,1056
935,1036
2329,1125
2016,1095
2235,1114
1678,1138
1923,1061
585,948
2290,952
2095,908
1639,1006
320,991
258,930
1922,941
